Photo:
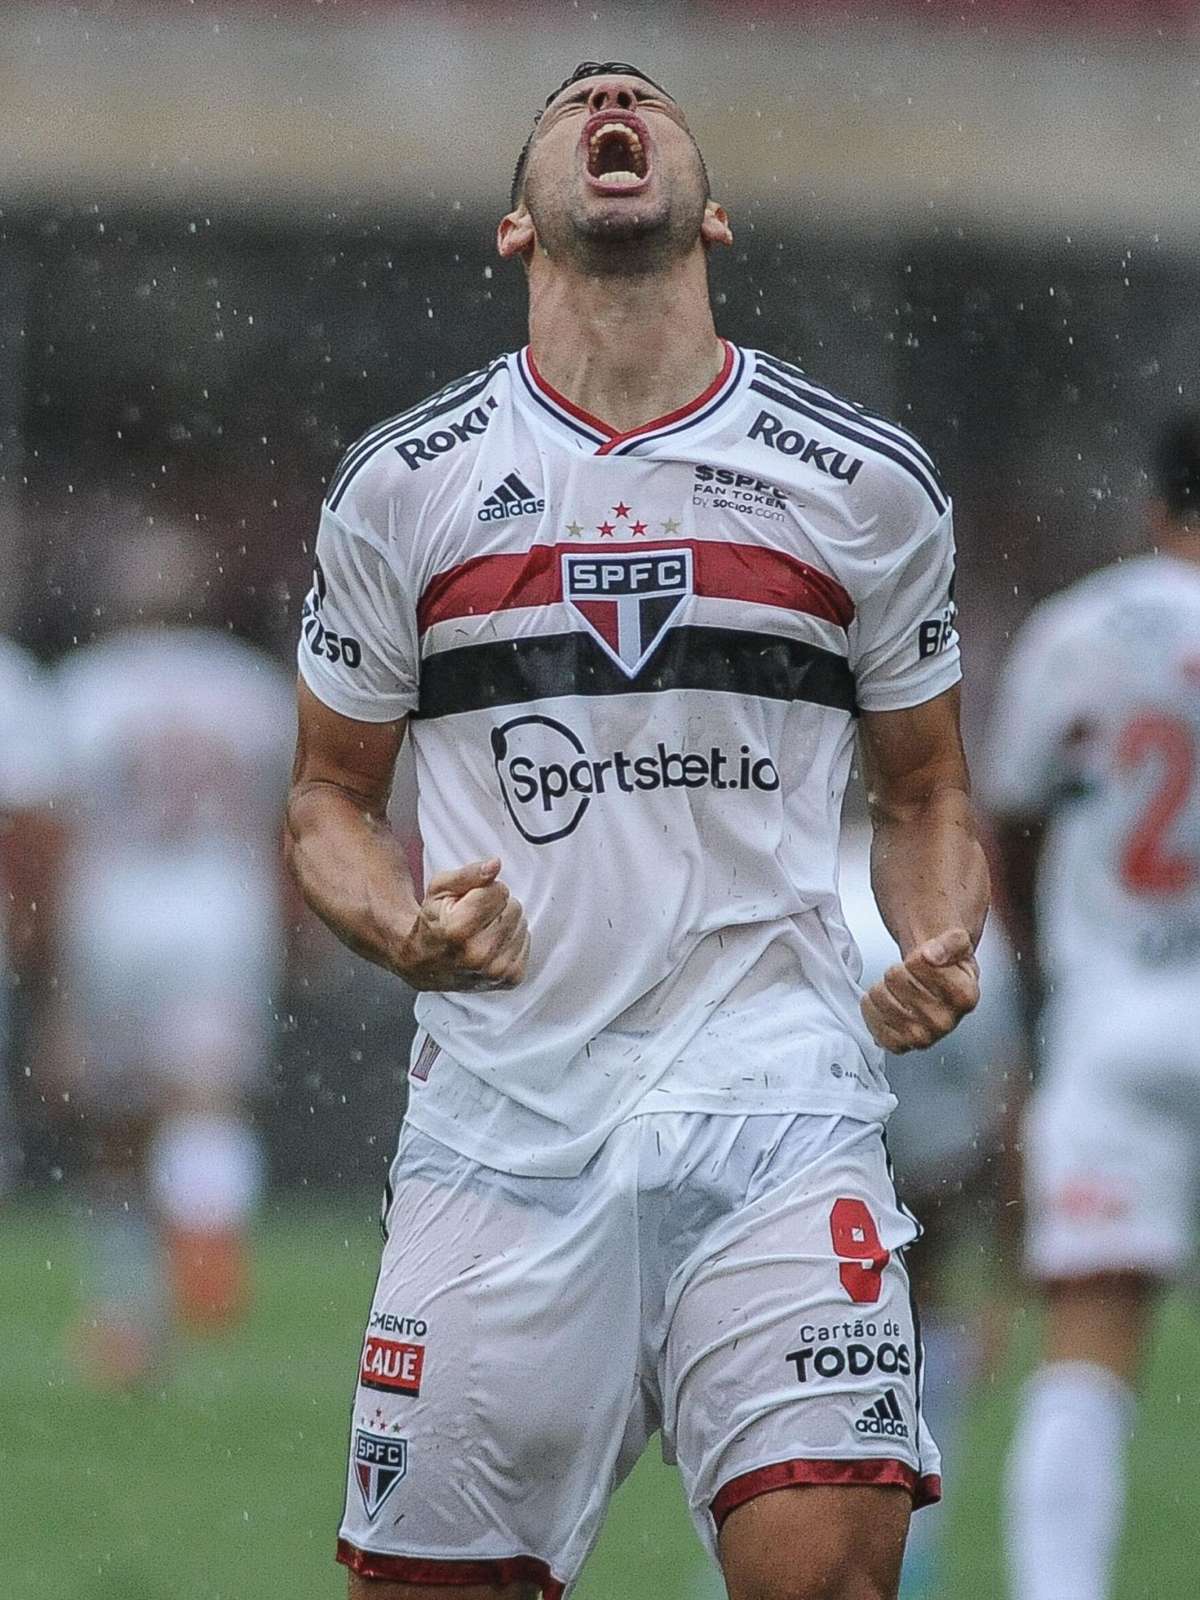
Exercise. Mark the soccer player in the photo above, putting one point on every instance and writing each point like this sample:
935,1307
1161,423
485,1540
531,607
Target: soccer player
1095,775
175,736
944,1138
627,589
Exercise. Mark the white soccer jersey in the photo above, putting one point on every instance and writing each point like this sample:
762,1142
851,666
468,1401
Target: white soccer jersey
1097,727
176,747
632,663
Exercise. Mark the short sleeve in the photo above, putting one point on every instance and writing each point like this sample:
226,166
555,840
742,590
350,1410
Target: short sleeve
358,631
905,645
1041,700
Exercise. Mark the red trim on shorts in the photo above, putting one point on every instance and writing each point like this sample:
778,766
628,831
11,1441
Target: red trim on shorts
454,1574
926,1491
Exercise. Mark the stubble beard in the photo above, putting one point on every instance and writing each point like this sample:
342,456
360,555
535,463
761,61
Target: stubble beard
624,242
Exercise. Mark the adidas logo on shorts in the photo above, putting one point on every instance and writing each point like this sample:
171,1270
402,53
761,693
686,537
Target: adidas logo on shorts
512,498
883,1419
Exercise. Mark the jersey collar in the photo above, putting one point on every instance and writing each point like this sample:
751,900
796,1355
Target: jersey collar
606,441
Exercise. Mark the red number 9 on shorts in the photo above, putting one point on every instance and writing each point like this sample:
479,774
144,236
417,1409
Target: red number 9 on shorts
856,1239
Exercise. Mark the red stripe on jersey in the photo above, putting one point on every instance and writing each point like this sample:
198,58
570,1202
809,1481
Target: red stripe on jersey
613,436
722,571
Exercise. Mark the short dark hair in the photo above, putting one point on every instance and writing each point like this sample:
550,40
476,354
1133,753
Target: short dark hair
585,69
1177,466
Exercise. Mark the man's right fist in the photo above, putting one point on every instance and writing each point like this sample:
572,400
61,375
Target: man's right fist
469,933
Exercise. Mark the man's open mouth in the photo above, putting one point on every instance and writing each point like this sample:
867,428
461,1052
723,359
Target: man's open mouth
617,152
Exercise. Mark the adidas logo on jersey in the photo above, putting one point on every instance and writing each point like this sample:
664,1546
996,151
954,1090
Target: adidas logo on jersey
883,1419
512,498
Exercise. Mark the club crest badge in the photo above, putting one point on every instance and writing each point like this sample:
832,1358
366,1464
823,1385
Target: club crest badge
627,600
380,1461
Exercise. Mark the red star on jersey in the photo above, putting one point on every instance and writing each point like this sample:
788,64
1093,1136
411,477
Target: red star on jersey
606,530
621,510
638,527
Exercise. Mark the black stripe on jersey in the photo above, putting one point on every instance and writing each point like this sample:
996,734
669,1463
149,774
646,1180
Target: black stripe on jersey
793,402
509,672
367,442
849,410
407,422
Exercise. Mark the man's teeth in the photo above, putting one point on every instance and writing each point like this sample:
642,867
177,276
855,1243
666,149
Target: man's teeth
633,145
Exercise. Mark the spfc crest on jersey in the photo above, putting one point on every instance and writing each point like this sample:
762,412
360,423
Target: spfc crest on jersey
627,600
380,1461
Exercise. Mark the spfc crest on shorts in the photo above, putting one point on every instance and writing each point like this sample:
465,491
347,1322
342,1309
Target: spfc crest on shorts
627,599
380,1461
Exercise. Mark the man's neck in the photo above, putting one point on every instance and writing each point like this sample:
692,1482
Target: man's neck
625,350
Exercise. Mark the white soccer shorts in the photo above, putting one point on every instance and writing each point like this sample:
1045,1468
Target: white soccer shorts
736,1281
170,973
1112,1134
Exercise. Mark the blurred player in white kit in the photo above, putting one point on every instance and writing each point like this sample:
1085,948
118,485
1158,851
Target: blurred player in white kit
632,592
174,738
1094,772
28,772
943,1139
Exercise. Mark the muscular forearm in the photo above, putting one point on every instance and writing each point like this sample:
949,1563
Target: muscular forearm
928,868
352,871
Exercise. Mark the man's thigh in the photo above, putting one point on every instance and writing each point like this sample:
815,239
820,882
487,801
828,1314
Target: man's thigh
816,1544
793,1358
496,1376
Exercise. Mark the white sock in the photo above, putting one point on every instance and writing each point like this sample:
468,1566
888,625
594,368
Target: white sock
206,1170
1066,1482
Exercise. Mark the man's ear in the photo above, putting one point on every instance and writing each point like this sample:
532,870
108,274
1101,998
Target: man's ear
515,236
715,228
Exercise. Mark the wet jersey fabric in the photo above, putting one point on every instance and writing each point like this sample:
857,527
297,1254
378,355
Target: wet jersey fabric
632,664
1097,728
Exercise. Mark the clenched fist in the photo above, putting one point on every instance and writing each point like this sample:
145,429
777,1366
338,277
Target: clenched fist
469,933
918,1001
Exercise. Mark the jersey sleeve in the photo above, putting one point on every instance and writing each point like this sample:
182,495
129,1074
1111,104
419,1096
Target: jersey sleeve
1041,699
358,649
905,648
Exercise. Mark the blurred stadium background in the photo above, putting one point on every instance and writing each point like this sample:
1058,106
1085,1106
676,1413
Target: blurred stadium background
231,237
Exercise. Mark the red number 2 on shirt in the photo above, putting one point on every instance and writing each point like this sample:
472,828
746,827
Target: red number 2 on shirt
1148,866
856,1239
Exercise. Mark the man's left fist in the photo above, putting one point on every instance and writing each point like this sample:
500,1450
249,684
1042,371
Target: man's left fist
919,1000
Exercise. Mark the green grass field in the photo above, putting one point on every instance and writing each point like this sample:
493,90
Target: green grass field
224,1482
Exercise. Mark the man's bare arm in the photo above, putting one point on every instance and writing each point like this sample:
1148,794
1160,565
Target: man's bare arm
928,872
467,933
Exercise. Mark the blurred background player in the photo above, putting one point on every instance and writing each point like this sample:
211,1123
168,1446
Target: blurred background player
1095,777
943,1139
27,776
175,750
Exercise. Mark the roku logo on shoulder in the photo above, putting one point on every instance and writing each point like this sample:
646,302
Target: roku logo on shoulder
827,458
